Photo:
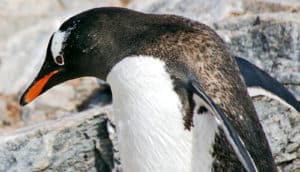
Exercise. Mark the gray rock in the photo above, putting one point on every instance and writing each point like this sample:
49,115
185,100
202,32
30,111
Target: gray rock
281,126
24,51
272,44
75,143
295,166
2,110
197,9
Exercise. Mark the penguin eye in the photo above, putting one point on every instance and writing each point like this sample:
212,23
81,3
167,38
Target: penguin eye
59,60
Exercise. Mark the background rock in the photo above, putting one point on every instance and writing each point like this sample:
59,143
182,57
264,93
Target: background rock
269,41
264,32
282,129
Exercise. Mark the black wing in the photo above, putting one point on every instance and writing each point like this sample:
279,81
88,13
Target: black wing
255,77
229,131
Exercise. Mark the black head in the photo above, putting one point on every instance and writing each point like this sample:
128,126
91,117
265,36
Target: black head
90,43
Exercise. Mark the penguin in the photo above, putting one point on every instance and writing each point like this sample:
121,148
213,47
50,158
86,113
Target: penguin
179,101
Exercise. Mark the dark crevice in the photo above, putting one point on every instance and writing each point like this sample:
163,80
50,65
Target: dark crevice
100,164
99,97
256,21
291,83
104,158
201,110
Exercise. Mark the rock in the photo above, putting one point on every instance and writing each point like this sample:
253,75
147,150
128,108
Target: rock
2,110
10,111
269,6
60,97
272,44
75,143
295,166
281,126
207,11
24,52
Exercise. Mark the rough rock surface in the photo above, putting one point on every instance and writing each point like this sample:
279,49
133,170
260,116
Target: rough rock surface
281,125
75,143
270,41
264,32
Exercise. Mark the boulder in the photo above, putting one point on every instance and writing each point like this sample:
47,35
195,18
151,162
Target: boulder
79,142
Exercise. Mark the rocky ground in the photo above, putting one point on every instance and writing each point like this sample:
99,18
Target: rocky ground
55,136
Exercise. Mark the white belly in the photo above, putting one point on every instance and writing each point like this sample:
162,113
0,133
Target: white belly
149,120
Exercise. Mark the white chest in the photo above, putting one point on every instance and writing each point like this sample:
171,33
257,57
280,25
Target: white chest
149,120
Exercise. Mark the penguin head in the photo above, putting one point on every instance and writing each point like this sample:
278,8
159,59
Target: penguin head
82,46
92,42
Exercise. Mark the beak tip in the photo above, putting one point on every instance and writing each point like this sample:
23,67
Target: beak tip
22,101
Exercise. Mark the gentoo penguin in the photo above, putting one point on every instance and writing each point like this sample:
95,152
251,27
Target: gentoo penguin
179,101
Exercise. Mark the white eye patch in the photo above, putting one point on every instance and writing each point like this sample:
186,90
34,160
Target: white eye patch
58,40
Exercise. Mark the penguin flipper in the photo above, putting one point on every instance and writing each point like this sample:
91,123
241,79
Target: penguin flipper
260,82
230,133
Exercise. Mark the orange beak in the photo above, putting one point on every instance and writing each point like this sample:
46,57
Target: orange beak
36,89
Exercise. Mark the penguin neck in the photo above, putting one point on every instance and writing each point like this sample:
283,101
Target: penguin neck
149,117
